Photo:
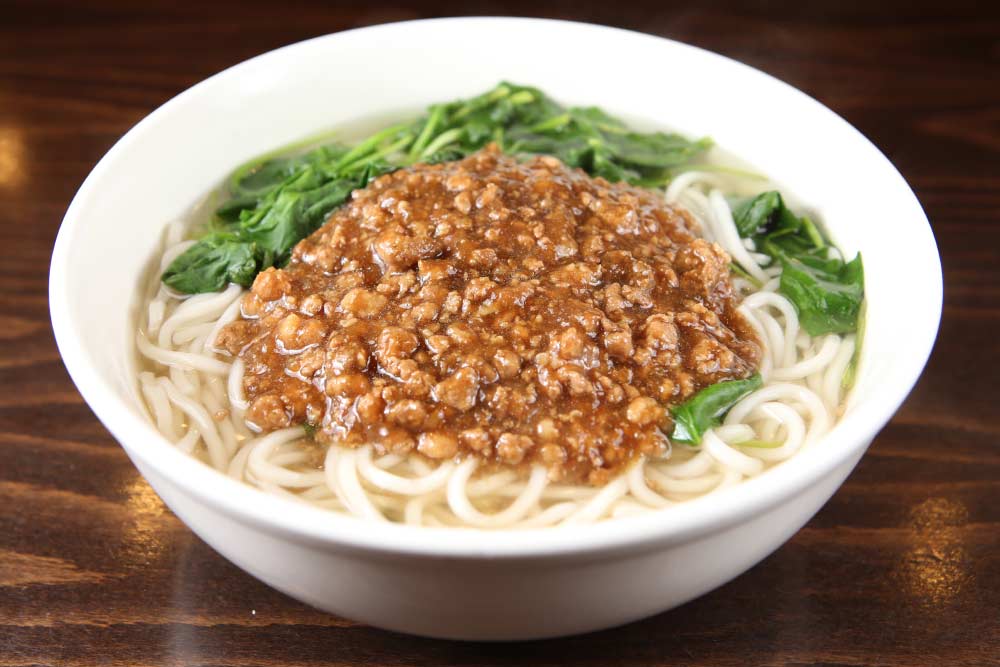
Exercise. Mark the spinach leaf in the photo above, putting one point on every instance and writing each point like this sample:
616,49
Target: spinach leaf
278,226
826,292
604,166
591,140
598,119
259,179
231,211
766,214
705,409
574,151
655,150
828,301
215,261
753,215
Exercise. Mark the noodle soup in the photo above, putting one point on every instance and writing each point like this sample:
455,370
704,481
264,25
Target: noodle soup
523,316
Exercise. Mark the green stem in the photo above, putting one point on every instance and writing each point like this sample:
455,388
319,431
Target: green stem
442,140
437,113
497,94
367,146
398,145
522,97
551,123
738,270
813,233
288,150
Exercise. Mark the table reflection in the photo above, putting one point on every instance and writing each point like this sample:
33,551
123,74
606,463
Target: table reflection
13,163
149,528
936,567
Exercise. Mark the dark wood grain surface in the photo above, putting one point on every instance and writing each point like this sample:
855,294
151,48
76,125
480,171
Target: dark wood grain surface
902,567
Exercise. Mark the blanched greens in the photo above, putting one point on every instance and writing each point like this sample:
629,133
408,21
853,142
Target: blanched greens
275,203
827,291
705,409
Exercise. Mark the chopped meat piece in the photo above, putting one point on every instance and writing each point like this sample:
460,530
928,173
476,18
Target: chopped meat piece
437,445
459,391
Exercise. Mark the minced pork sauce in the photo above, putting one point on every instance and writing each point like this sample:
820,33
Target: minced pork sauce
520,312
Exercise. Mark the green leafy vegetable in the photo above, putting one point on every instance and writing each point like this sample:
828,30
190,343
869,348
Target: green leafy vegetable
761,444
275,202
826,291
828,301
738,270
216,260
588,138
755,214
706,408
850,374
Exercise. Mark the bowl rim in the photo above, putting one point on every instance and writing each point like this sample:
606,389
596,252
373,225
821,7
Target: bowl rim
306,524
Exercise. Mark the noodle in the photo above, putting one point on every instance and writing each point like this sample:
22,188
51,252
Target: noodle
195,397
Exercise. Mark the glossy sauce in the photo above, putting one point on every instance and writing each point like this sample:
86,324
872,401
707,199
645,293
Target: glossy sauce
518,312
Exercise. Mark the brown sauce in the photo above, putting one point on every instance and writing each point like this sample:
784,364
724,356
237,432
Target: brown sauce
518,312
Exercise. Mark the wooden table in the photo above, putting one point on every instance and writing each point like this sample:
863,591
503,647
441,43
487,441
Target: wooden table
902,567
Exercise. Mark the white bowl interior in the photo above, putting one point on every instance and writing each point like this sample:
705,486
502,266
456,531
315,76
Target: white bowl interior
157,171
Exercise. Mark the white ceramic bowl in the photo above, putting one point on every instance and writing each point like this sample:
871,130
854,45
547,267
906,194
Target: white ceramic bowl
465,583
